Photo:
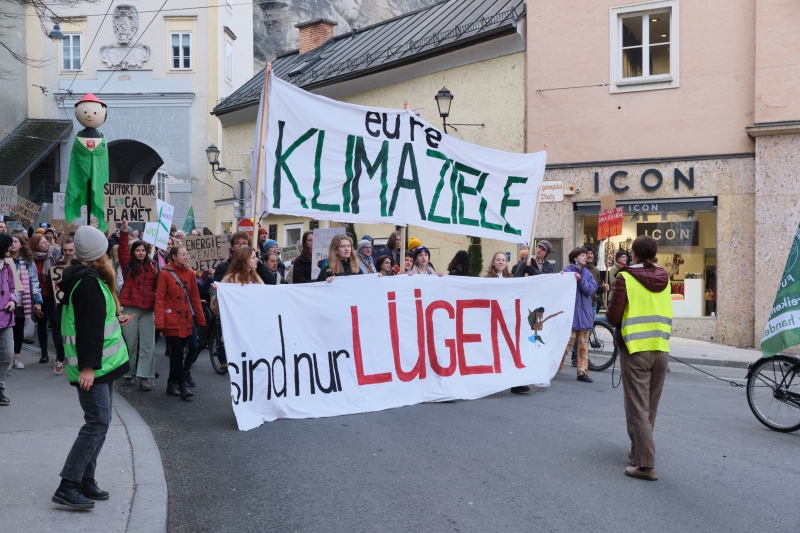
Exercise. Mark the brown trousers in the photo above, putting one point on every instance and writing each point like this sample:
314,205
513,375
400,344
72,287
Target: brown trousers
642,381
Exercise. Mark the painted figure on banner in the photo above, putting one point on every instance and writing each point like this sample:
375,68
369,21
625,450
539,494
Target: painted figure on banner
536,323
88,163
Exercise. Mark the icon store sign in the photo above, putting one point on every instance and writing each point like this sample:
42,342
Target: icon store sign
651,180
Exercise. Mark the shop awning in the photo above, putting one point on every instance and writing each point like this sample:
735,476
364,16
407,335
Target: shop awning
27,145
652,206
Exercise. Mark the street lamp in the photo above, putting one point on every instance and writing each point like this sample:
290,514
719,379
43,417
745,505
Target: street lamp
443,100
56,34
212,153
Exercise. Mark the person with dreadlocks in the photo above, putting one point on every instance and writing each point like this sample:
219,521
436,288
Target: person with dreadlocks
96,355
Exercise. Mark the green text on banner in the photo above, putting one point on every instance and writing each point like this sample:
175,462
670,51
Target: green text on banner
783,327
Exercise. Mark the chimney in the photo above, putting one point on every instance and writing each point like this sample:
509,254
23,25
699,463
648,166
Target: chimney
314,33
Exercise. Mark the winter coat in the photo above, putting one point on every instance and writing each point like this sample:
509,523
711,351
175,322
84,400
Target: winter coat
261,270
365,264
455,272
36,294
651,276
533,269
597,296
301,273
139,291
385,251
43,269
7,294
583,319
274,278
325,273
173,314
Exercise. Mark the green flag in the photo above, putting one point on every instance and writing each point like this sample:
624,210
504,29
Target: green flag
85,165
783,327
188,224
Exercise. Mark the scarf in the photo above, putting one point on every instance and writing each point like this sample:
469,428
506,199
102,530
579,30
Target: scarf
428,270
46,257
367,262
27,305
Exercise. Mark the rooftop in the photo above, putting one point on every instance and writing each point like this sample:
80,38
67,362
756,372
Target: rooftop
27,145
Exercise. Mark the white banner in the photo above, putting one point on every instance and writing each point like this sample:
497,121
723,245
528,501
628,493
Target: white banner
336,161
364,343
58,205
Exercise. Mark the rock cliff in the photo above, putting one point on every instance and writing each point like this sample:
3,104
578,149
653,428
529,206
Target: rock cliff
274,21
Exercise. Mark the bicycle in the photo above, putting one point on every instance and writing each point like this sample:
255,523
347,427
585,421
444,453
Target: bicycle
210,337
773,392
602,352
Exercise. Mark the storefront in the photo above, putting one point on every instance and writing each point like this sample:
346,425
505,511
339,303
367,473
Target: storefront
702,214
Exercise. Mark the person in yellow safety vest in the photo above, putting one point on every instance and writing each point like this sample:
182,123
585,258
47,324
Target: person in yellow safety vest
95,355
641,312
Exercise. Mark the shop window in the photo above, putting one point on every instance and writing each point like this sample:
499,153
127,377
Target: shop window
644,46
686,232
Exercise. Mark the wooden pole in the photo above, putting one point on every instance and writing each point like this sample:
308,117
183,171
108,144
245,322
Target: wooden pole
262,138
401,257
531,247
88,202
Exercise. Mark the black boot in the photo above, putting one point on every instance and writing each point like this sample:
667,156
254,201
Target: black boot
44,359
520,390
69,493
172,388
190,382
3,399
90,489
186,394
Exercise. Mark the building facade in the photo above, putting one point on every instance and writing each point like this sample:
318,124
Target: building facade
160,71
691,122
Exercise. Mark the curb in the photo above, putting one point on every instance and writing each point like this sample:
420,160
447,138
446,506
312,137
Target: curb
711,362
149,503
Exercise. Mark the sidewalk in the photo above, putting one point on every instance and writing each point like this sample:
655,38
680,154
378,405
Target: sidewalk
36,433
710,353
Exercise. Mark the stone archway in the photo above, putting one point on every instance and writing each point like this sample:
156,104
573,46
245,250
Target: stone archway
132,161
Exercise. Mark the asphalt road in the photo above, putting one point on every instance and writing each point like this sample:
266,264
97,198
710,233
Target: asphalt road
552,460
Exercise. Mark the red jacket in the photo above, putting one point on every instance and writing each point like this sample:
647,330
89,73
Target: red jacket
173,313
139,291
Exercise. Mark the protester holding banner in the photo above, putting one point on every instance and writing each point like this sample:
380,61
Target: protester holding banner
364,255
45,256
641,312
138,298
177,306
28,293
271,246
583,319
538,264
272,262
341,259
240,239
8,304
243,268
383,265
498,268
523,255
459,266
408,261
301,271
422,264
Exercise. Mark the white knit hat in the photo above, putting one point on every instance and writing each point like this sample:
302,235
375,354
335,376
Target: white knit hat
90,243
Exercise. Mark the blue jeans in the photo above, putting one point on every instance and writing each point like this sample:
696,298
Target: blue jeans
191,353
82,459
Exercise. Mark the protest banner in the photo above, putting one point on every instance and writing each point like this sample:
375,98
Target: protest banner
609,223
783,326
14,226
335,161
290,252
364,343
58,205
207,251
157,233
56,273
25,210
8,199
131,202
319,250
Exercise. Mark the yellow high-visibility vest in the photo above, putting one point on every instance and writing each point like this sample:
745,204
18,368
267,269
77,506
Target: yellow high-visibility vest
647,321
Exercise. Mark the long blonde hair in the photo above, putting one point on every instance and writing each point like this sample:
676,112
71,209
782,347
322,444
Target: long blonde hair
109,277
239,271
334,263
492,273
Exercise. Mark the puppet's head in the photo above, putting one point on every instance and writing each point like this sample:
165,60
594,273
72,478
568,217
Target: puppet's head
90,111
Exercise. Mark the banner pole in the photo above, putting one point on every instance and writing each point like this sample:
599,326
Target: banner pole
531,248
262,137
401,257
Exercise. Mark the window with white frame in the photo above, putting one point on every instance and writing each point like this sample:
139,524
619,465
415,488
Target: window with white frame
181,44
644,46
229,60
161,185
71,51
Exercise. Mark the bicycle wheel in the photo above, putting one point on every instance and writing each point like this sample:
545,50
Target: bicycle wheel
602,351
216,350
773,393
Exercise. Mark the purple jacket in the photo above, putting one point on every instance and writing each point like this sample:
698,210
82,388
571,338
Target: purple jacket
583,318
6,295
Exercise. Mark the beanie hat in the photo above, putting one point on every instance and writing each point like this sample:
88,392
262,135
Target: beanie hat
523,254
418,250
546,245
366,237
413,242
362,243
270,243
262,230
90,243
40,230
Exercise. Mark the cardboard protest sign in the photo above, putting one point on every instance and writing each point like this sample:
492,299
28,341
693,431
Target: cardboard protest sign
25,210
480,337
319,251
131,202
8,199
56,273
290,252
336,161
609,223
14,226
58,205
207,251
